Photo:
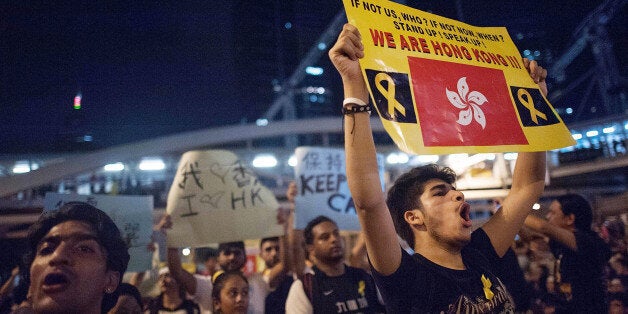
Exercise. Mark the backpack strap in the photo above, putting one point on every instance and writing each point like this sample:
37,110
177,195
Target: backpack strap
308,279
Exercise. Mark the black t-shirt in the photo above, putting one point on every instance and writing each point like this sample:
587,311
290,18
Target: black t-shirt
580,274
352,292
506,268
421,286
275,302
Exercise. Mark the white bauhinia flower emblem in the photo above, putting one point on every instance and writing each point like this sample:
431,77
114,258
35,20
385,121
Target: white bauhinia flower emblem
469,104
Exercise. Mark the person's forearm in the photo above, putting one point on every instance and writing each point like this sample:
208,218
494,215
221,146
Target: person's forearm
527,186
362,172
7,287
358,252
174,261
528,183
278,271
297,260
185,279
361,159
564,236
536,224
530,171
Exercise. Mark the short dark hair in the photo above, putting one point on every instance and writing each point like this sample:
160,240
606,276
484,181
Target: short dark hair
307,232
272,239
577,205
204,253
220,279
405,195
228,245
107,235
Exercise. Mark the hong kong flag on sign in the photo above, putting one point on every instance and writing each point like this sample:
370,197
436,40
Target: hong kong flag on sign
463,105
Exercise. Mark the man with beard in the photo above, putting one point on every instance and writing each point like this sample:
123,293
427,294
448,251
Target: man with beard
273,252
424,208
331,286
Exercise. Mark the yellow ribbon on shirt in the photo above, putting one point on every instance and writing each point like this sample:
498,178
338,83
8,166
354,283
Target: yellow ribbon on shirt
361,287
486,283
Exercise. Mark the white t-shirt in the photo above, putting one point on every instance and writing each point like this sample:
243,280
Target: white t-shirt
258,290
203,295
297,301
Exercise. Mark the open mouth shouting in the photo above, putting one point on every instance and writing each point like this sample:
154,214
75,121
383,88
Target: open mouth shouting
55,282
465,214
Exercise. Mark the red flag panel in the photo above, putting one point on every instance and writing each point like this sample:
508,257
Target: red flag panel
463,105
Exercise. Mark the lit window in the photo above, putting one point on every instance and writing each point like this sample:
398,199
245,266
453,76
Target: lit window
397,158
510,156
608,130
427,159
592,133
152,164
118,166
264,161
316,71
21,167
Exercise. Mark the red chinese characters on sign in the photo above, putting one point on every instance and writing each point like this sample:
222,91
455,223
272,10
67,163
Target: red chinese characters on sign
463,105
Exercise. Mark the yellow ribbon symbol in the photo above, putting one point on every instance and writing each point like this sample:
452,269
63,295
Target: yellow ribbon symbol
361,287
529,103
389,94
486,283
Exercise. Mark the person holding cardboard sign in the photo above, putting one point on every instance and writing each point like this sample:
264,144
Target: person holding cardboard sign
231,257
426,210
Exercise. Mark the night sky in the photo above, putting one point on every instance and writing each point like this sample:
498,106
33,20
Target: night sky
151,68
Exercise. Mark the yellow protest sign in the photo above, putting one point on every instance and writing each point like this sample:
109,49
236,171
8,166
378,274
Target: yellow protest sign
441,86
216,198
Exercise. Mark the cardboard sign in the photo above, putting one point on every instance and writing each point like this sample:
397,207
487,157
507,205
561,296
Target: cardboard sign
132,215
215,198
322,187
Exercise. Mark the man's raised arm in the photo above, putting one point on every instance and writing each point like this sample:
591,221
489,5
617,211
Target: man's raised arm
362,173
528,183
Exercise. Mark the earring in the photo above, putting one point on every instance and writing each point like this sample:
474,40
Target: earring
108,290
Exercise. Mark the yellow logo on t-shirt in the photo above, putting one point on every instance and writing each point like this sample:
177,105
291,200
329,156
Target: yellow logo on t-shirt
361,287
486,283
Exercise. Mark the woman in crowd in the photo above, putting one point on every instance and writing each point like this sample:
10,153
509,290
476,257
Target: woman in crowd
230,293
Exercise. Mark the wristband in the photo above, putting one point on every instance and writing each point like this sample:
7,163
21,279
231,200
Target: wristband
351,109
352,105
353,100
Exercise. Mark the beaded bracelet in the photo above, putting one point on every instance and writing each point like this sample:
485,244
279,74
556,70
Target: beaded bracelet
352,105
355,108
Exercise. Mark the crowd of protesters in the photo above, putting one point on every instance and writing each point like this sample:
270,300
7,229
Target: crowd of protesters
77,258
